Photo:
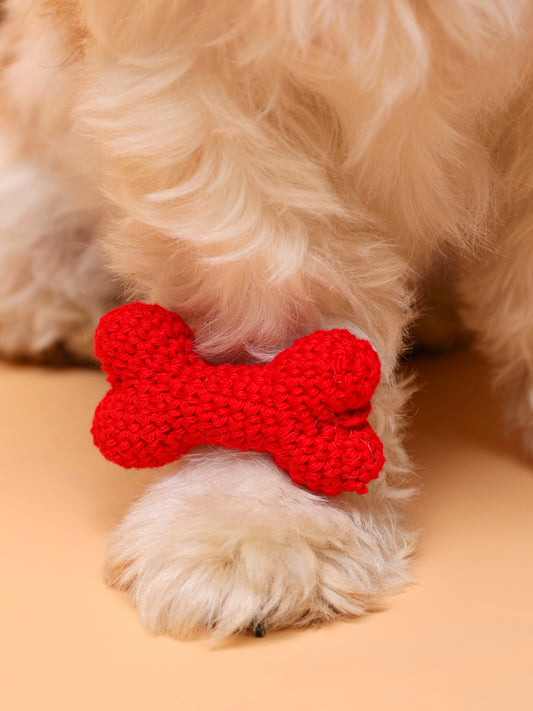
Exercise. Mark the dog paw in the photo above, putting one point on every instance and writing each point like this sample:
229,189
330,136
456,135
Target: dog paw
73,347
229,545
39,324
54,287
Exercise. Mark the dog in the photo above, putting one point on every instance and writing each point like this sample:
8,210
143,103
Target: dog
267,168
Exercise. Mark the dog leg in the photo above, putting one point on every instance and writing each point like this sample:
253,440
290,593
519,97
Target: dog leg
53,288
240,214
498,297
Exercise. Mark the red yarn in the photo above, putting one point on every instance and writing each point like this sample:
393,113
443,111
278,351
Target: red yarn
308,407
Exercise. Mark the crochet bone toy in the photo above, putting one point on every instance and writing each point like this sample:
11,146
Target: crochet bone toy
308,407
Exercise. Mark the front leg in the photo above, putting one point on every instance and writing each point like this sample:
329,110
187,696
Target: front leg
246,222
53,286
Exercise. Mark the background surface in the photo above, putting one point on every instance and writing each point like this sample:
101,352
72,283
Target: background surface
460,639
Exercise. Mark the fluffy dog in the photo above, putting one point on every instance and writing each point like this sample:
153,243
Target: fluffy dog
266,168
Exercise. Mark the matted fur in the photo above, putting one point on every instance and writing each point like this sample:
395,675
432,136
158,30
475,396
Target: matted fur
271,167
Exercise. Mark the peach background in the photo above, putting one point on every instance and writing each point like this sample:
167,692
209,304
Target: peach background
460,639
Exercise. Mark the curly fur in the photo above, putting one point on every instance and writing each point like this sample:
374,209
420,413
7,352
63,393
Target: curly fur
270,167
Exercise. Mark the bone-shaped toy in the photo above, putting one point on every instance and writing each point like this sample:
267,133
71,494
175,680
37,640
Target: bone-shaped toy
308,407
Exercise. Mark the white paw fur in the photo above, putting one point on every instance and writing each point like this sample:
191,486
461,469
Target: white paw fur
228,542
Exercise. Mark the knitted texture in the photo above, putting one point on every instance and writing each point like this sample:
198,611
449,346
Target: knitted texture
308,407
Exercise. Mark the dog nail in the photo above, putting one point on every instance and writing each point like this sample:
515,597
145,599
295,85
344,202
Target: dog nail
258,629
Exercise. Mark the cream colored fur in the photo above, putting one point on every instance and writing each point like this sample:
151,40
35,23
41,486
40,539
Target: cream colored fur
270,167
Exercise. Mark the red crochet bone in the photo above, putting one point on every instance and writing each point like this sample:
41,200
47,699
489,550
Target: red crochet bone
308,407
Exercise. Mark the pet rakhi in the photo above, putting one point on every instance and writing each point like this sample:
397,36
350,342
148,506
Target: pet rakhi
308,407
